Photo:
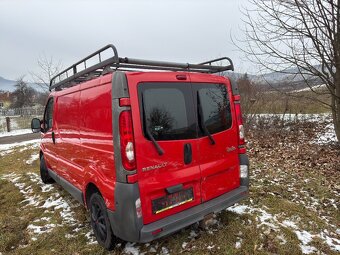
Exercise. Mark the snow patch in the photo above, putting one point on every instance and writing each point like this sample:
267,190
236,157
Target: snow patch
327,136
90,237
131,249
288,223
316,87
165,251
305,238
238,243
16,132
8,148
210,247
265,218
33,158
239,209
53,203
193,234
41,229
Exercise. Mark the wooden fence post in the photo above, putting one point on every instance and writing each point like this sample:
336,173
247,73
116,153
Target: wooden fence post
8,124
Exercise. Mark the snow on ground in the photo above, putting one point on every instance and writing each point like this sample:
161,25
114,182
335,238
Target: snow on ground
327,136
270,221
320,117
316,87
9,148
130,248
33,158
16,132
54,203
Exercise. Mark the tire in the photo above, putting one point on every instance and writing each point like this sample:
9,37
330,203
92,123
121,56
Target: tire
100,222
45,177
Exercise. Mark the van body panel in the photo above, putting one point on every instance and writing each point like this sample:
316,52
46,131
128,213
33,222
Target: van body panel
219,162
83,148
68,136
47,144
157,172
96,138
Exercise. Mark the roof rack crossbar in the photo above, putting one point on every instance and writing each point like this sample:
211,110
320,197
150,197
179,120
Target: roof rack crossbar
219,59
71,75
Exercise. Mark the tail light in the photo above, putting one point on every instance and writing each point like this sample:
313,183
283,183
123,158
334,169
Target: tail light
127,141
239,121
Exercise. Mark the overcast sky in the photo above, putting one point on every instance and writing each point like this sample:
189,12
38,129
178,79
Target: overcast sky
173,30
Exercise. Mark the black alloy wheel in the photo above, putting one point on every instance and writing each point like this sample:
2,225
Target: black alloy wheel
45,177
100,222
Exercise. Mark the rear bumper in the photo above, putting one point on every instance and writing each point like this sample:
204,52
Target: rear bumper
143,233
190,216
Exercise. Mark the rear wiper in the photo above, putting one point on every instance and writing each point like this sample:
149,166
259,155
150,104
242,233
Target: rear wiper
202,123
147,130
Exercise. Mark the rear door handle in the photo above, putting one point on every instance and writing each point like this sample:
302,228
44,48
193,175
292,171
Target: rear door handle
187,153
53,137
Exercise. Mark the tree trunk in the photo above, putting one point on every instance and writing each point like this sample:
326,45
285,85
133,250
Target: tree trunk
336,96
336,106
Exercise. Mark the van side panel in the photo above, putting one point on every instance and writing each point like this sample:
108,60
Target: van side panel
67,145
96,139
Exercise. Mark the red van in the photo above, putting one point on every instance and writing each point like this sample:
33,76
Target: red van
147,152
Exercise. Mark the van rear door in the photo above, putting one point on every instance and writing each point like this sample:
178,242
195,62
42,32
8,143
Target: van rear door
169,177
218,142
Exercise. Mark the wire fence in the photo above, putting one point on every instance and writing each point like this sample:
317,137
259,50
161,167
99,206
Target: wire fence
18,118
28,111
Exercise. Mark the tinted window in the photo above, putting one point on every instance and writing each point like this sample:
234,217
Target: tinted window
168,110
215,104
48,118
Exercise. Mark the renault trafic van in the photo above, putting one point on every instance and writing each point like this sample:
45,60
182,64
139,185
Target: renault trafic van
149,147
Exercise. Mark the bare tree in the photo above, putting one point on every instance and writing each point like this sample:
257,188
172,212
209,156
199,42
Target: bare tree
300,34
48,68
23,94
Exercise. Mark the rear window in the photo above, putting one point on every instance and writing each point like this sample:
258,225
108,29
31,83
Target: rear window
167,110
215,103
170,110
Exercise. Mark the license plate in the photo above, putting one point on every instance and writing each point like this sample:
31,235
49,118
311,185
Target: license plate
172,200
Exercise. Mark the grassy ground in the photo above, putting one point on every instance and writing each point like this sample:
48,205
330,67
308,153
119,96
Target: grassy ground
305,102
293,204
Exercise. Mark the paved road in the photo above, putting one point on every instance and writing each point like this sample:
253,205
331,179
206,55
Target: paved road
19,138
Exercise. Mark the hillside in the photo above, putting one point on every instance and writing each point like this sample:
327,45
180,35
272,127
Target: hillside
9,85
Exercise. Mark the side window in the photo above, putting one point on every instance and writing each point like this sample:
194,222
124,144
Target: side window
215,106
48,117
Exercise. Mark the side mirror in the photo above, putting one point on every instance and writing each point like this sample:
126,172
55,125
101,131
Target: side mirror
35,125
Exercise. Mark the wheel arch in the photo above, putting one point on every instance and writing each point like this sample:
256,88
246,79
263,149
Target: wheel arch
90,189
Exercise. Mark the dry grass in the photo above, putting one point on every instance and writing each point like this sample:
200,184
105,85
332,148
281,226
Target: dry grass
291,103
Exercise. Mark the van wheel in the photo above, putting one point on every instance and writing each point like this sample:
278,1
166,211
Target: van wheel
100,222
45,177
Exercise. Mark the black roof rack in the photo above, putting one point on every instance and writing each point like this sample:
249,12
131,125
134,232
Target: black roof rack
80,71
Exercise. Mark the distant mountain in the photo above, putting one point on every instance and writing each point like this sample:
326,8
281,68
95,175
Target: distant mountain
290,80
9,85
